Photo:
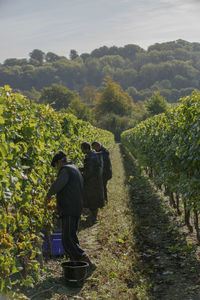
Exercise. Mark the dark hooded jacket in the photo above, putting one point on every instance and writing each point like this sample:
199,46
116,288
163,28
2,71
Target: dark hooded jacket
93,193
107,167
68,188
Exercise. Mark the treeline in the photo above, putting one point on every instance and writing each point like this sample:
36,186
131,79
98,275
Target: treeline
113,109
173,68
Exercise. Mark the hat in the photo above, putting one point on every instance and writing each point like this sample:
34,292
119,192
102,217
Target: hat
60,155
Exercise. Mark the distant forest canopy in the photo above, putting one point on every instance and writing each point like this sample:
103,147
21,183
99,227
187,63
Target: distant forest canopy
172,68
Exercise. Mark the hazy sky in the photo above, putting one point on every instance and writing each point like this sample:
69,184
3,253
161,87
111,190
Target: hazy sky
84,25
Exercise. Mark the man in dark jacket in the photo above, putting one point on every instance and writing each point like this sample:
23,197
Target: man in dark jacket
68,189
93,194
107,167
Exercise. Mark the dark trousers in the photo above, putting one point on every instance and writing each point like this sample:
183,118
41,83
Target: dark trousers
69,237
105,190
93,215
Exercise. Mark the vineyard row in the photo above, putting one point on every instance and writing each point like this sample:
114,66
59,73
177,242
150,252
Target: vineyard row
167,146
30,134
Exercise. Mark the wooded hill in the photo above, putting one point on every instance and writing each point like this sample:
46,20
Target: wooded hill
173,68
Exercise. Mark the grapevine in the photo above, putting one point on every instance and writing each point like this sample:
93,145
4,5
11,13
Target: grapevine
168,145
30,134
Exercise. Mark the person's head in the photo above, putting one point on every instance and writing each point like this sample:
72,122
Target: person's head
96,146
85,147
59,159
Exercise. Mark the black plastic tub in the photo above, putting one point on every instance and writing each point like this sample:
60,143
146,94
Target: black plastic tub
75,272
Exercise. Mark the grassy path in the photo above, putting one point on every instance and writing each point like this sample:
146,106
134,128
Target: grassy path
139,250
110,242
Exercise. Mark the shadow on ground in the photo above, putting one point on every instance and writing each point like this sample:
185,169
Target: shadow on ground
50,287
53,285
166,260
87,219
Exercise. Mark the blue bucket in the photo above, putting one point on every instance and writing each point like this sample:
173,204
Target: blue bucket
56,243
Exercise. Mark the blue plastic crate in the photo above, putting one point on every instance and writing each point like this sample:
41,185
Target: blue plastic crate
56,243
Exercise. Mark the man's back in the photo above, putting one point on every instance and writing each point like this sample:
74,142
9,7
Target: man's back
93,183
107,167
69,199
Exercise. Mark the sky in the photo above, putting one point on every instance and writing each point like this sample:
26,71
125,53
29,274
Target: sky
84,25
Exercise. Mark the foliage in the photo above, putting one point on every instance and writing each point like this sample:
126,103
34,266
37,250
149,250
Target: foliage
37,55
156,104
114,109
32,94
173,68
113,100
73,54
51,57
116,124
30,134
80,110
169,144
56,95
89,95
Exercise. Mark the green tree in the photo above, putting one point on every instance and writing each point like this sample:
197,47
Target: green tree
93,72
116,124
180,82
34,62
113,100
100,52
57,95
133,92
84,56
37,55
80,110
89,94
44,76
139,111
114,61
51,57
32,94
130,51
73,54
114,109
156,104
126,77
148,74
15,61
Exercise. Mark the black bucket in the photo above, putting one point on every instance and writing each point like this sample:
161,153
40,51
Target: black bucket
75,272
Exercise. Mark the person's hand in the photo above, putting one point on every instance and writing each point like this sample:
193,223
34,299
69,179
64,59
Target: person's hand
47,200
